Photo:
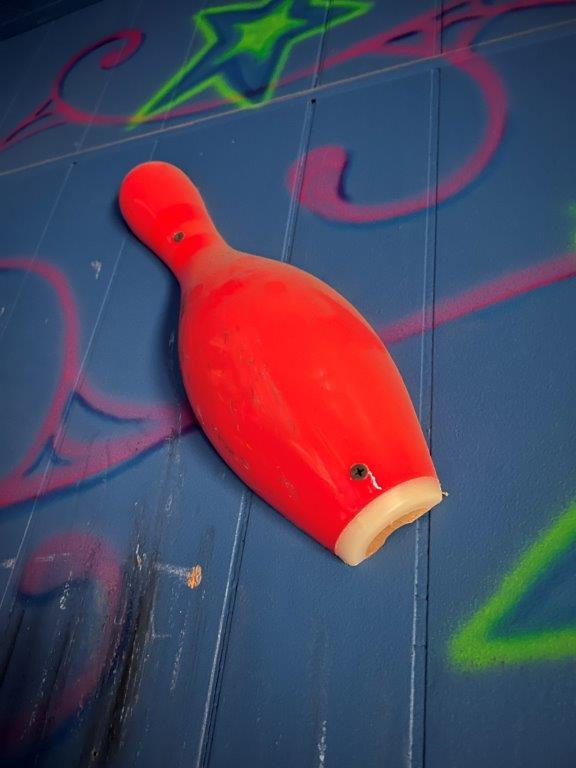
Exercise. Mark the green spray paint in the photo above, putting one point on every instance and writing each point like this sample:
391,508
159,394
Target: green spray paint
474,647
254,35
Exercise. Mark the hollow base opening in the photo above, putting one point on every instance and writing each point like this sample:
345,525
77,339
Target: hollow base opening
369,529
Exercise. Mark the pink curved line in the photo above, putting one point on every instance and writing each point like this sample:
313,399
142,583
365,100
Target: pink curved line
59,560
124,409
159,421
325,166
57,106
70,363
132,39
482,296
428,26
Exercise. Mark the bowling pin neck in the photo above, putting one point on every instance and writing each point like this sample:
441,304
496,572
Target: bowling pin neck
190,238
166,211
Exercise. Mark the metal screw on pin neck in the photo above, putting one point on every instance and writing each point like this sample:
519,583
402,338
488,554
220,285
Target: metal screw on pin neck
358,471
177,236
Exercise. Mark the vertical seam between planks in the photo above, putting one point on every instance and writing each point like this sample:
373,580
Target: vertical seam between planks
419,659
173,94
26,276
294,207
224,632
100,98
321,46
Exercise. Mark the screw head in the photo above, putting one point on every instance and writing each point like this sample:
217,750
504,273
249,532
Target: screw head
177,236
358,471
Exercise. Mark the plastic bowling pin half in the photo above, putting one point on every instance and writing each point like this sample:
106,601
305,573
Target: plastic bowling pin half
294,389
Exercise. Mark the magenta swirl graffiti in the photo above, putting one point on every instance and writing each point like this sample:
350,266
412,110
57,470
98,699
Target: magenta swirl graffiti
56,110
322,190
149,423
156,422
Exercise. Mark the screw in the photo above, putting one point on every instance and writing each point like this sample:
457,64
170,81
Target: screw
358,471
177,236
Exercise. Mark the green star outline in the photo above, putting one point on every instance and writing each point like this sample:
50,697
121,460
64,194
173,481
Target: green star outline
218,81
473,649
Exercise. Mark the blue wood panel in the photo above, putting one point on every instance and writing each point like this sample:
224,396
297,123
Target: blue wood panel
386,35
151,608
163,512
312,640
82,88
503,433
20,16
16,59
502,19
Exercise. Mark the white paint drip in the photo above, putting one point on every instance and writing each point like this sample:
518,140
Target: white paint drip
96,266
64,597
322,747
177,662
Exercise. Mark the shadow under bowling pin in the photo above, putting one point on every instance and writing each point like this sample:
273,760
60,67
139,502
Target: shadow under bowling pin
289,382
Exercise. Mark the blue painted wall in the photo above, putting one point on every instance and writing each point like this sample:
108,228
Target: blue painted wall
419,157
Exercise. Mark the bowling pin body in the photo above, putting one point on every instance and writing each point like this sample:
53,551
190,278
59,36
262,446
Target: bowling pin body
291,385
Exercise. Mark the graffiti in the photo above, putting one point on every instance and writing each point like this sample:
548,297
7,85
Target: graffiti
323,190
59,561
246,57
485,295
115,611
251,71
55,110
478,646
72,462
246,47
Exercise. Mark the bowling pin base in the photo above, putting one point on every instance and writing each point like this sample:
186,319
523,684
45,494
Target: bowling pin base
367,532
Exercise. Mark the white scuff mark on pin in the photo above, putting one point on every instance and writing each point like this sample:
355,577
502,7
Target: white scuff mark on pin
374,481
96,266
2,310
10,563
322,746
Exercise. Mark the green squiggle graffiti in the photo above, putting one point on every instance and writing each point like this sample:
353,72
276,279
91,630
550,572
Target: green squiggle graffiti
475,648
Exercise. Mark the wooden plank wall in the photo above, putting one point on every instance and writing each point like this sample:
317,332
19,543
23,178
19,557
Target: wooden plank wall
419,157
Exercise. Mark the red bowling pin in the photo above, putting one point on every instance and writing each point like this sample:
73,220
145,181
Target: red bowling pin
294,389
